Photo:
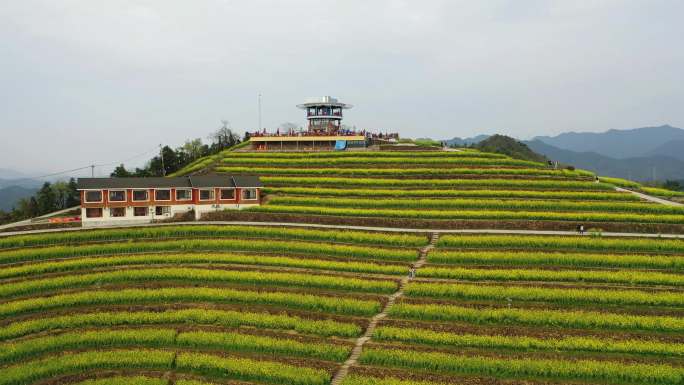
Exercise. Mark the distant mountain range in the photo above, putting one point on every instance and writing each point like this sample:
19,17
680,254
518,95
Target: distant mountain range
623,144
638,154
637,168
9,196
15,185
466,141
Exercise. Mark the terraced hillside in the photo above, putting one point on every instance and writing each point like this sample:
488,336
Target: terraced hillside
268,305
182,304
199,304
440,189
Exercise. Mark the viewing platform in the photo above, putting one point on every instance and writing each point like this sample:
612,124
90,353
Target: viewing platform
324,130
308,142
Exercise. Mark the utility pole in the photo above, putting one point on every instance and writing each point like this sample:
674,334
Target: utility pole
161,155
259,102
92,171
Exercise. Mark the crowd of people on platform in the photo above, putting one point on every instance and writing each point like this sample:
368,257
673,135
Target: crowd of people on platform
324,132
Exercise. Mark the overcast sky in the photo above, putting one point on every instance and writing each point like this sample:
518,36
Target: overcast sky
86,81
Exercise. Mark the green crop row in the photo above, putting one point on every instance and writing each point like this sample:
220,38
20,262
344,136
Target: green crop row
190,231
195,258
195,166
528,184
190,382
262,344
141,380
250,370
489,204
11,352
555,295
196,276
538,318
538,258
661,192
525,343
616,277
204,162
368,154
296,247
563,243
403,171
129,380
339,305
169,338
499,194
354,379
472,214
78,363
319,162
203,364
608,371
222,318
620,182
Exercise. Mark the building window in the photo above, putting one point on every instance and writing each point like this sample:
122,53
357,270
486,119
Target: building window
93,212
249,194
162,195
140,195
183,195
227,193
93,196
117,195
207,194
140,211
117,212
162,210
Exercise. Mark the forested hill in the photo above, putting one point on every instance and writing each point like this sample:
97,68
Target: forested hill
509,146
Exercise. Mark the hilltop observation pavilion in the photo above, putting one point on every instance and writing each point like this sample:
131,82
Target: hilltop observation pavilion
324,130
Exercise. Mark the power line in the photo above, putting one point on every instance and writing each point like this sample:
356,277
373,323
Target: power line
91,166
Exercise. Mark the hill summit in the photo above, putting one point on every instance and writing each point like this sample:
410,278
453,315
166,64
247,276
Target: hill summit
509,146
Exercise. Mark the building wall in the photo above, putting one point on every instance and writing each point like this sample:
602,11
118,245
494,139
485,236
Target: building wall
175,206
